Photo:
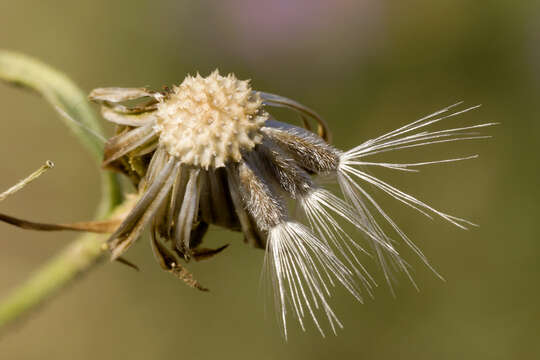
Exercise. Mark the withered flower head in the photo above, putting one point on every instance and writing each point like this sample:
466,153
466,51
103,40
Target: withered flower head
206,152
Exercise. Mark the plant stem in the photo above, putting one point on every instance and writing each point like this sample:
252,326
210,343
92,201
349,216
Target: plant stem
62,93
88,249
75,259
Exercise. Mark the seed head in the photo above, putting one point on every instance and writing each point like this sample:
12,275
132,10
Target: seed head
205,153
209,121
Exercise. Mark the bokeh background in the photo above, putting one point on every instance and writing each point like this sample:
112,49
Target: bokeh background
367,66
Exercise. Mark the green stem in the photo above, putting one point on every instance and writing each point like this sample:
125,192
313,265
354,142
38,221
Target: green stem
77,258
62,93
86,250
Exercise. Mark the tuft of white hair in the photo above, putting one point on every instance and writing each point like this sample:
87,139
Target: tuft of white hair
302,269
320,207
352,178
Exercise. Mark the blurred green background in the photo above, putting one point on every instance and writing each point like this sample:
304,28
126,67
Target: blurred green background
367,66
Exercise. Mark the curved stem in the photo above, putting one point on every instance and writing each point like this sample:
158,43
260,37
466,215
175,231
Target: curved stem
87,250
62,93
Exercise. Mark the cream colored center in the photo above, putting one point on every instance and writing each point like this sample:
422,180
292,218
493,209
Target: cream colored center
208,121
